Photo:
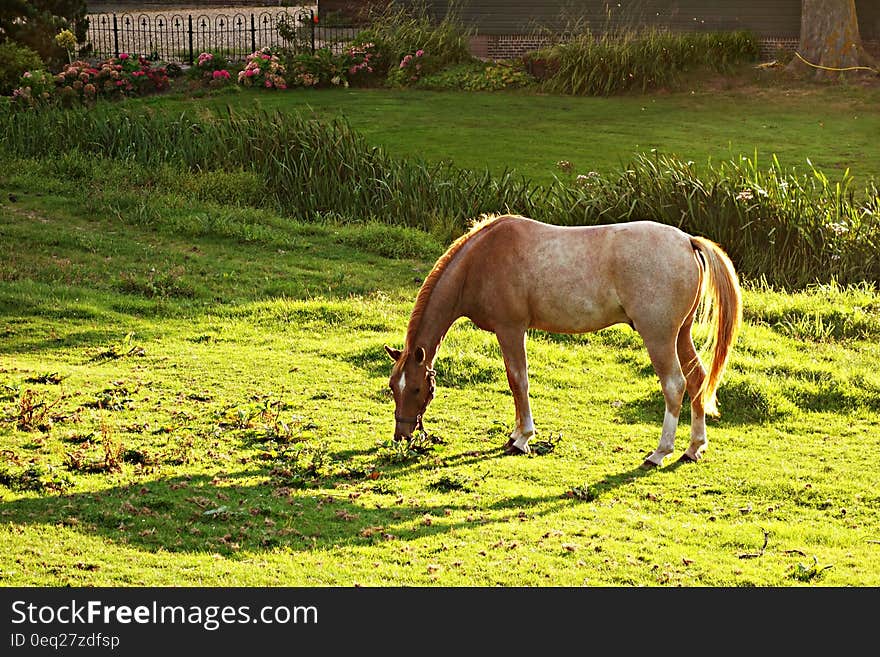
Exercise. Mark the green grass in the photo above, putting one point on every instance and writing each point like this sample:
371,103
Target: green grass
835,127
194,392
788,228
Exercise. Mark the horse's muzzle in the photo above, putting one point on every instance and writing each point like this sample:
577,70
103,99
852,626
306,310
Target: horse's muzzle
405,426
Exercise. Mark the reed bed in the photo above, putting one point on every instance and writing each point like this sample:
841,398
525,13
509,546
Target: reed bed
790,230
617,61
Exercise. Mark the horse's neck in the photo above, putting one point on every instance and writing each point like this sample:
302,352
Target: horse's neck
441,310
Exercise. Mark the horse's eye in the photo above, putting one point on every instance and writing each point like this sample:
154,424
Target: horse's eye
417,391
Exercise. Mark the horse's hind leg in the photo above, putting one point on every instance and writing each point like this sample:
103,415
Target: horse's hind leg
513,348
695,373
664,357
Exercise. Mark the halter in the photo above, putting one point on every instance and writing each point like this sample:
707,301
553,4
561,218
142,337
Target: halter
417,420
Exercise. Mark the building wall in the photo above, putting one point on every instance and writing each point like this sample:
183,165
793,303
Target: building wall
508,28
766,18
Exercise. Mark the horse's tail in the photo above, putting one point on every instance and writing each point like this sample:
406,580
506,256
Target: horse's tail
722,310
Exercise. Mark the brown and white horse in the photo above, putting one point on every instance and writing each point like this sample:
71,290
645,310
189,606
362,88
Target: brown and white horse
511,273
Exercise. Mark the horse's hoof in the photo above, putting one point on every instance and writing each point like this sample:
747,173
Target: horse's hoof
648,465
512,449
508,444
687,458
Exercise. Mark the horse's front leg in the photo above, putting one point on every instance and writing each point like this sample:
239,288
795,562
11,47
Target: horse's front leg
513,348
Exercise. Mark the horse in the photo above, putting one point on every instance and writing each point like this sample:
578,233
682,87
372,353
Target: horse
510,273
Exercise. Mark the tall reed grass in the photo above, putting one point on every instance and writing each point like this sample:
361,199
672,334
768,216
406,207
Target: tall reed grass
790,229
399,31
648,58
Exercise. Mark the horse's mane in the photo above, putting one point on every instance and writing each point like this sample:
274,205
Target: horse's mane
487,221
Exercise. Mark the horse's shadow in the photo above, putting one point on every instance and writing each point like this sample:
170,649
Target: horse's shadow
239,513
199,514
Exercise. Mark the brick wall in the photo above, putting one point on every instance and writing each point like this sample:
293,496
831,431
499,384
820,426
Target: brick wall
510,46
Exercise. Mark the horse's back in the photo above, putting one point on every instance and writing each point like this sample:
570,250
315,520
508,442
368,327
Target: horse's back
581,278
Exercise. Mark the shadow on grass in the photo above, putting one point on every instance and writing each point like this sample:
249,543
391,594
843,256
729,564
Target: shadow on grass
252,510
735,410
203,515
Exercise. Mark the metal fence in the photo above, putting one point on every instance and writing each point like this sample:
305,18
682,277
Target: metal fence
182,37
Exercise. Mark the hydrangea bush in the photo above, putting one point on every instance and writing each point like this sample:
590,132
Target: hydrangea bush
363,63
322,69
263,69
82,82
213,68
410,69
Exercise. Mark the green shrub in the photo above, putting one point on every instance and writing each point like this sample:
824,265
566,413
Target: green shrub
36,24
15,61
478,76
321,69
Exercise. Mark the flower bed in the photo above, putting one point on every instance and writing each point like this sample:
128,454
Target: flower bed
84,82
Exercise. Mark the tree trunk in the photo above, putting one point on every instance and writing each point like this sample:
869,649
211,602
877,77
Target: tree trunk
830,39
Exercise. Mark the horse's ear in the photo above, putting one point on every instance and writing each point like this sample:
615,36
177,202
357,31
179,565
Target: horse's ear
393,353
420,355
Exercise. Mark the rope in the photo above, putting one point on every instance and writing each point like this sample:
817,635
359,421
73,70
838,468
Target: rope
831,68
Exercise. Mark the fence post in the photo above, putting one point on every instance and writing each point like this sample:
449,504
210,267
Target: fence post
253,35
115,37
312,23
190,30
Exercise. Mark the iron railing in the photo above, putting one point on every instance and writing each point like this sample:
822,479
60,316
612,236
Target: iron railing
181,38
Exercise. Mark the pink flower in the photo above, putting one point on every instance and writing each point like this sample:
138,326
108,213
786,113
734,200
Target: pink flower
27,74
268,83
123,55
221,74
419,52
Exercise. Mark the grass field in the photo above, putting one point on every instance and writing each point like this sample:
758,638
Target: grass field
834,128
201,399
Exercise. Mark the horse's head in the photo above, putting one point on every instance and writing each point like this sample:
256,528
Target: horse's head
412,384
